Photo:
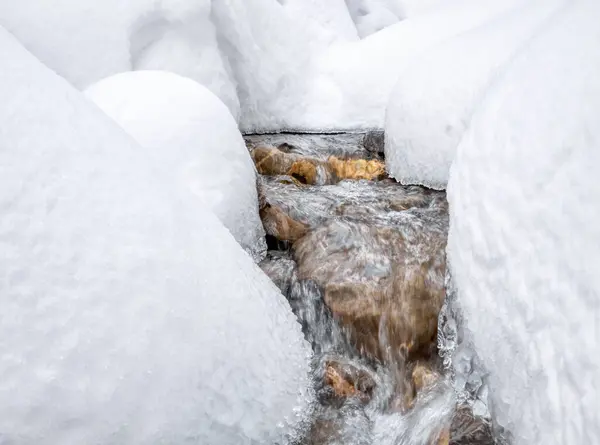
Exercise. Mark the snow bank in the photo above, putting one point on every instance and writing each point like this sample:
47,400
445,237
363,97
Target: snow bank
193,142
86,40
435,96
128,315
523,245
371,16
329,20
350,83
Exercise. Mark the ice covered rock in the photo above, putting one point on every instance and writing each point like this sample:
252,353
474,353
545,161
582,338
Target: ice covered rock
435,96
193,142
128,315
87,40
523,244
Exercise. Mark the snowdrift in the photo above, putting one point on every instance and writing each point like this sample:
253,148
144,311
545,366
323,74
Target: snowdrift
193,143
435,96
523,245
128,315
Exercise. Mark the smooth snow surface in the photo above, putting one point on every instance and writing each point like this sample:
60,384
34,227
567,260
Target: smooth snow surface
523,247
329,20
351,83
434,98
128,316
193,142
88,40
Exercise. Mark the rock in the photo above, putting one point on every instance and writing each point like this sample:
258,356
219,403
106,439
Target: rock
378,281
347,380
356,168
468,429
273,161
374,141
278,224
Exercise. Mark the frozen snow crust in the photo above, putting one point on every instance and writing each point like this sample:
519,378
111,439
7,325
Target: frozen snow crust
523,246
128,315
435,96
193,143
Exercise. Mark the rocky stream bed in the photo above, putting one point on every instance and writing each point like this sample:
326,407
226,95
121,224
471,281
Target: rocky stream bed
361,259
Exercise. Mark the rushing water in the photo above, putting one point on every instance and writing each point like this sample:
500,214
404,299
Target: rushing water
362,263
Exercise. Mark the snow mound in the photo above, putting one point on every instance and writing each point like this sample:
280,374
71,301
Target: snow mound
87,40
330,20
350,83
193,142
434,98
128,315
523,245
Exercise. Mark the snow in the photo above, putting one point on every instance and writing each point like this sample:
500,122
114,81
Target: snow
128,315
86,40
523,243
350,83
277,64
330,21
193,143
435,97
371,16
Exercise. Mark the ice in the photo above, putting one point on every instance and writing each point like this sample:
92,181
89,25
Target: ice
193,143
523,245
434,98
86,40
128,315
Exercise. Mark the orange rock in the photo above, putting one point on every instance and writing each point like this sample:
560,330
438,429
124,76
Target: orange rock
280,225
271,161
356,168
305,170
347,380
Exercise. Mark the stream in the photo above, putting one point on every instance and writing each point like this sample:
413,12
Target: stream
361,260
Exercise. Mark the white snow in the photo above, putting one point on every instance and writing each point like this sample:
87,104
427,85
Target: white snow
128,315
523,247
350,83
435,96
193,143
328,21
87,40
371,16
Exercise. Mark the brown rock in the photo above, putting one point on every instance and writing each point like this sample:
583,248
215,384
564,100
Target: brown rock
280,225
271,161
356,168
387,290
305,170
348,381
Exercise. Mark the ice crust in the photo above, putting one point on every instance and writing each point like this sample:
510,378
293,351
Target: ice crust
128,315
435,96
193,143
523,244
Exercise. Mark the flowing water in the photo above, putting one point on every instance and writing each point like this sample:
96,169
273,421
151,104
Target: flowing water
362,263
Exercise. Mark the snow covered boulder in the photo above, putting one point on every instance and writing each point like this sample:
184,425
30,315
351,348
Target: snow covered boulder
523,247
435,96
128,316
87,40
193,142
